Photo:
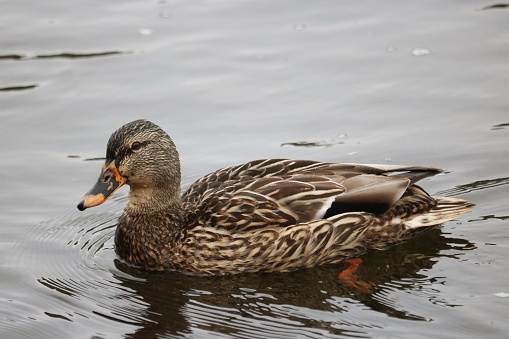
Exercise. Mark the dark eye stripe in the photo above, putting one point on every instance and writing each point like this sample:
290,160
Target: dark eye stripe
127,151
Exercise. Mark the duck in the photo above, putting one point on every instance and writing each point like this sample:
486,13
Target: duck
268,215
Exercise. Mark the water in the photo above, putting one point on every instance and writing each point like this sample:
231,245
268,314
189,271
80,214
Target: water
404,83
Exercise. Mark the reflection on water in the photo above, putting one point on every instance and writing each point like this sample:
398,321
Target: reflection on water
496,6
67,55
329,143
491,216
309,302
17,88
499,126
475,186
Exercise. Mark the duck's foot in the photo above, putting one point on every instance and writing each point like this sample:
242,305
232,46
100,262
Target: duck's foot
349,277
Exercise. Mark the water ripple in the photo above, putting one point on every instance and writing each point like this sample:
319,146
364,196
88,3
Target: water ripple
475,186
81,273
250,324
64,55
495,6
322,143
17,88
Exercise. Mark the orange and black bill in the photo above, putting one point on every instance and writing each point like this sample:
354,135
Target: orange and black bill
107,183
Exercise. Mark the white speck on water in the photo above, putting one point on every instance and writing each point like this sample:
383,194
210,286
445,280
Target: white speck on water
146,31
342,136
351,153
421,51
502,295
391,49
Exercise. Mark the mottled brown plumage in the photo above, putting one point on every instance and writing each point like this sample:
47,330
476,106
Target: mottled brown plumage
264,215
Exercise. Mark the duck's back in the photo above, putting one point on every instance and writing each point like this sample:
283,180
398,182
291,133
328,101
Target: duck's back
281,192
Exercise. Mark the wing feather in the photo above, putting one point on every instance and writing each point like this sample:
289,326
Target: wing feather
281,192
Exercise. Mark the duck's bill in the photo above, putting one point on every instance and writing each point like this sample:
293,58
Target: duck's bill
107,183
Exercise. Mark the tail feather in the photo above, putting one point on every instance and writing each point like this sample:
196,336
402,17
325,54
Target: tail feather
401,223
445,210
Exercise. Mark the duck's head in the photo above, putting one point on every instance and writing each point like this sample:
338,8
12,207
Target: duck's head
141,155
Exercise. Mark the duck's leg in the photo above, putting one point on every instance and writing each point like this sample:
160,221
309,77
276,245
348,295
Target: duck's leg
349,277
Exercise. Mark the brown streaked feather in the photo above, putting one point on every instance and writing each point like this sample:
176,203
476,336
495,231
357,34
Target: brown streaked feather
278,249
280,192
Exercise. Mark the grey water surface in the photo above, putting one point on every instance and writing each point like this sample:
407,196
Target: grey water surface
391,82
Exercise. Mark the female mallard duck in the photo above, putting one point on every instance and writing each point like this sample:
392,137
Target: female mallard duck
265,215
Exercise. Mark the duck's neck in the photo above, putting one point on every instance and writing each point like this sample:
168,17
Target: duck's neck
149,229
152,200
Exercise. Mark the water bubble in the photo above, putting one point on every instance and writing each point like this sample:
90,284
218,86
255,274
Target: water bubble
502,295
146,31
420,51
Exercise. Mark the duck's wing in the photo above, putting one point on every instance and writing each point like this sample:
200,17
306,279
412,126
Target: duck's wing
280,192
256,203
265,168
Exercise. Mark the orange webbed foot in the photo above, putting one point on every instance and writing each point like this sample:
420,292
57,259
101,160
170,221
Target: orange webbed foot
349,277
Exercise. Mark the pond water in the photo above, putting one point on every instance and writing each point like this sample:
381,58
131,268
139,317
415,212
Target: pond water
411,83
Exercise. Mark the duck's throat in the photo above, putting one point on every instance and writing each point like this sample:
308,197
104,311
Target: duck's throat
149,240
152,200
150,228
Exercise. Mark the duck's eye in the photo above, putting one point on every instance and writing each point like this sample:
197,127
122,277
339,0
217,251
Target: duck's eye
136,146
